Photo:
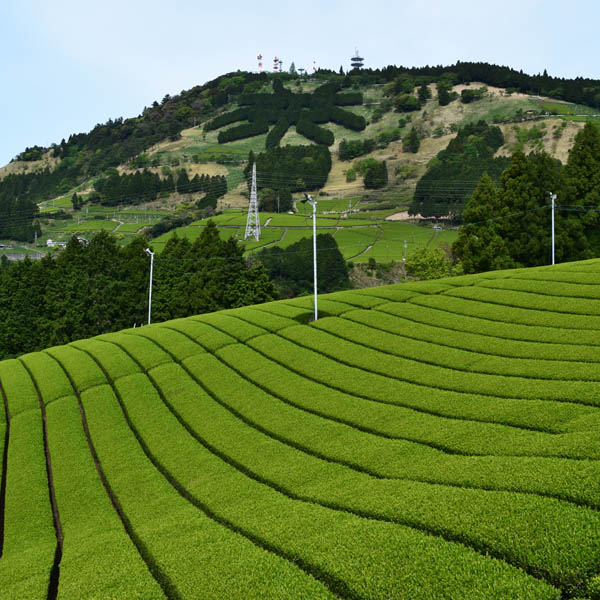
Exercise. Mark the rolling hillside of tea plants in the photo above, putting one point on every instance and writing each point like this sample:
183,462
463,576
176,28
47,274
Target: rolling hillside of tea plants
428,440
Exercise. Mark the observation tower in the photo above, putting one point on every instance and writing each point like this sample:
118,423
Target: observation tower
357,61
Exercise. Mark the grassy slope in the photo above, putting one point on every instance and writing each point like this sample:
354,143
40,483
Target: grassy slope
425,440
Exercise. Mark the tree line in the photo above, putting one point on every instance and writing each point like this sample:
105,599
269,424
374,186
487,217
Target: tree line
508,225
101,287
145,186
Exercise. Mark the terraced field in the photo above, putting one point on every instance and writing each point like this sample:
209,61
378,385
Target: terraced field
426,441
358,238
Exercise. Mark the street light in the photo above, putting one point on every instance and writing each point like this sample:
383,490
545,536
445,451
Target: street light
308,198
151,255
552,200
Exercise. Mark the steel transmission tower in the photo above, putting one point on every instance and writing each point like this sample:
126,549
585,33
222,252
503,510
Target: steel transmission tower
253,222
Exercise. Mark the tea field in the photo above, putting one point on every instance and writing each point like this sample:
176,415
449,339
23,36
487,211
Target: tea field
428,440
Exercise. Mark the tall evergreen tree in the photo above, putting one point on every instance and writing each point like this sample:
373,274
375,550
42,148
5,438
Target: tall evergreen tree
523,192
582,190
480,245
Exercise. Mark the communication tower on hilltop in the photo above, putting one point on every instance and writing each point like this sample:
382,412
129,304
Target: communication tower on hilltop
314,66
356,61
253,222
275,64
259,58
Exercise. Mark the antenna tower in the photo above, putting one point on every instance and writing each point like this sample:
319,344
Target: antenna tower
259,58
253,222
275,64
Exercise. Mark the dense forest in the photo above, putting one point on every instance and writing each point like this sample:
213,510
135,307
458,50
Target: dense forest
91,289
145,186
290,168
291,268
18,210
452,175
508,225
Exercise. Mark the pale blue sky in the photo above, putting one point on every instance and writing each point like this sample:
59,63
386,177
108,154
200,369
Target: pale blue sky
69,64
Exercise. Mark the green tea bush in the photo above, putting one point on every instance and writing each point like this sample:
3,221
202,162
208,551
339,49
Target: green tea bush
29,536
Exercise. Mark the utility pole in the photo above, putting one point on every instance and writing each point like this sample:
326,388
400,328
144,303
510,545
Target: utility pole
552,198
308,198
151,255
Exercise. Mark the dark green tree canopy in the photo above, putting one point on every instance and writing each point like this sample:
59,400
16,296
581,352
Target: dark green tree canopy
89,289
291,268
284,108
452,176
291,168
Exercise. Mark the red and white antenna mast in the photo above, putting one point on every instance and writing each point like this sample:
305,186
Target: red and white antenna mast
314,66
259,58
275,64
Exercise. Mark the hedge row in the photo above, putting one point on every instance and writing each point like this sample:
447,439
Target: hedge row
200,329
567,307
240,114
437,508
82,369
313,132
573,329
277,132
196,555
355,298
369,558
551,274
430,352
475,334
178,344
558,289
142,350
50,378
433,376
245,130
571,480
267,320
347,119
14,377
98,556
117,362
347,98
444,403
491,320
29,535
232,327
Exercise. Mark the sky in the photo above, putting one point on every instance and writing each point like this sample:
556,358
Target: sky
67,65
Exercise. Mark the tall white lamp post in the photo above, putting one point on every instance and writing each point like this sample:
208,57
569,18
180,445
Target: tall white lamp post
552,199
308,198
151,255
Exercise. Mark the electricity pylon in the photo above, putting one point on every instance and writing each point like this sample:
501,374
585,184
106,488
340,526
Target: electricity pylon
253,222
